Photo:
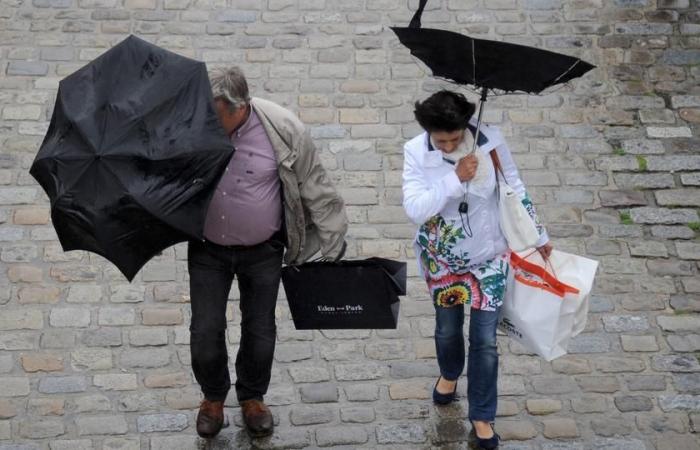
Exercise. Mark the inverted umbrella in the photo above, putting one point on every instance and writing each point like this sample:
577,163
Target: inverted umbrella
485,64
132,155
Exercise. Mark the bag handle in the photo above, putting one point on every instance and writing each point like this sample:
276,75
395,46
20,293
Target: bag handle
547,261
548,278
497,165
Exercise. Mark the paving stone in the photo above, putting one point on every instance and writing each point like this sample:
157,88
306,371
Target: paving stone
116,382
646,382
687,383
603,384
591,403
553,385
401,433
102,337
616,324
311,415
409,390
179,442
41,362
518,430
46,407
357,415
683,442
543,406
685,303
560,428
617,444
167,380
62,385
636,343
362,392
627,403
41,429
71,444
571,365
675,363
685,343
101,425
657,423
611,426
319,393
161,422
334,436
311,374
683,402
620,364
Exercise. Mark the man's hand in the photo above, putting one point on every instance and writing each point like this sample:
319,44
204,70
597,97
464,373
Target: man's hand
466,167
545,250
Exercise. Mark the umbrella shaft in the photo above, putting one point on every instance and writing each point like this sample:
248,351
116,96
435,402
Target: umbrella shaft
482,100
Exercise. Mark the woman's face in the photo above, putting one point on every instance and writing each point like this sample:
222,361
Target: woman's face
447,141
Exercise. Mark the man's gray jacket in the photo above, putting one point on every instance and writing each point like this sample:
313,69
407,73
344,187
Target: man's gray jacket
314,213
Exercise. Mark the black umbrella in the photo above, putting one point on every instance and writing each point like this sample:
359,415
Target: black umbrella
488,65
132,155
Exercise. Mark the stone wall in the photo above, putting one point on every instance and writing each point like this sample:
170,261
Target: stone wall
88,360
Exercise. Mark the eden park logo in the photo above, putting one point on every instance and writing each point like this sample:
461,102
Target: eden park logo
510,328
346,309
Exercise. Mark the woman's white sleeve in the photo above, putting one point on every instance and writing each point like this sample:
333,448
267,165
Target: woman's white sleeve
510,171
422,198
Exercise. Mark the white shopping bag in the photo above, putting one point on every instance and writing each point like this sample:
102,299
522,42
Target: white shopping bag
534,312
576,271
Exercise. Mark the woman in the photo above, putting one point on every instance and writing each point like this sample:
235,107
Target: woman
462,253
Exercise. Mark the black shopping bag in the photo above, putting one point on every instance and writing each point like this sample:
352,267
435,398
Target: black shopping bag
351,294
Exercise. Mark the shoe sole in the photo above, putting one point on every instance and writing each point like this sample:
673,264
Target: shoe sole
258,434
209,435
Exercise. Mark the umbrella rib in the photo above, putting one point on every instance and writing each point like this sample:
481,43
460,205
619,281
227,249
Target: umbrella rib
473,62
567,71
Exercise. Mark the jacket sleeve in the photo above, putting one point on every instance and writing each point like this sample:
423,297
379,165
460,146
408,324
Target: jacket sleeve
423,198
510,171
319,197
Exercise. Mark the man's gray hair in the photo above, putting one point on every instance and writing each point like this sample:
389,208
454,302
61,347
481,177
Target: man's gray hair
230,85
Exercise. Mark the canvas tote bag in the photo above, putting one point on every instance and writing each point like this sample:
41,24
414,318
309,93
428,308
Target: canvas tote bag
517,225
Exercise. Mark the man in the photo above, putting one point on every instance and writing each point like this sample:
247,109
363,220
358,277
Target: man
273,194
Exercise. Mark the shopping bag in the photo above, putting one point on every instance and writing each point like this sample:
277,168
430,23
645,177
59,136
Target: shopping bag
349,294
534,312
576,271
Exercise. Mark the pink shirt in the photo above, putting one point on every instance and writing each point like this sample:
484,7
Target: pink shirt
246,208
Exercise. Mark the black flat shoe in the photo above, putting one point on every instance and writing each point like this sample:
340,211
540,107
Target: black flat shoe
477,443
444,399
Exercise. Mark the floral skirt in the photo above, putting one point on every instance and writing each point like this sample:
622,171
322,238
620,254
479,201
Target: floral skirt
451,280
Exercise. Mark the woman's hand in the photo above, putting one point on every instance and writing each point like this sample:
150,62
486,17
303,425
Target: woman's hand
545,250
466,167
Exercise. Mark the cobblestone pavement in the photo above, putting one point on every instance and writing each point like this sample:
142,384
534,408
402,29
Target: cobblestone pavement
89,361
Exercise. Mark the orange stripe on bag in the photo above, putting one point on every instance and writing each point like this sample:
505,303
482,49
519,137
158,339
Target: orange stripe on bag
550,283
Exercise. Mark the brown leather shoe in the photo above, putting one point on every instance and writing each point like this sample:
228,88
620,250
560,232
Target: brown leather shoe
210,418
257,418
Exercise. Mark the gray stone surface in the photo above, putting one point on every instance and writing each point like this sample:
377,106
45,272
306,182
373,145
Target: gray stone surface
89,360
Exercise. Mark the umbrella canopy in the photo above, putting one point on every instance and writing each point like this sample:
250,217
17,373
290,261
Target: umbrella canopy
490,64
487,64
132,155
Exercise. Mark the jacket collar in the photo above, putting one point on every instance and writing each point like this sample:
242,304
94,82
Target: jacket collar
483,140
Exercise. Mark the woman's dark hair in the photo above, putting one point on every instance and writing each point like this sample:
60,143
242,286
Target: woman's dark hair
444,111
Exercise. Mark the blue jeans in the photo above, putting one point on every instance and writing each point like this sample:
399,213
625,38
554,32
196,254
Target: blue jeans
482,364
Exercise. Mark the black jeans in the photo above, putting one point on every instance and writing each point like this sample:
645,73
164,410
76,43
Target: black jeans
212,269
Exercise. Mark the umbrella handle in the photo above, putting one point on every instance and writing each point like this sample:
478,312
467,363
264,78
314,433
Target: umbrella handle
415,21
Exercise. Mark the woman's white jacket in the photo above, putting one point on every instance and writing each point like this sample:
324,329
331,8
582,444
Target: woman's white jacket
431,186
